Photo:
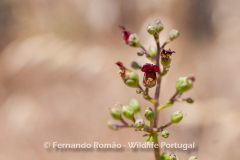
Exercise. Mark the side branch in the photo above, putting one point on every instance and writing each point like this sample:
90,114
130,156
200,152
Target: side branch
148,55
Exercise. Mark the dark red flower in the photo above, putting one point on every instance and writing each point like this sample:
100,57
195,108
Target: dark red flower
149,78
165,54
126,34
129,38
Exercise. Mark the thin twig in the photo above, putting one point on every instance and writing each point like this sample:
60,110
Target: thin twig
148,55
165,126
172,99
124,122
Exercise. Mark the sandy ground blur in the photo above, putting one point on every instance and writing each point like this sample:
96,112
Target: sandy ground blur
58,77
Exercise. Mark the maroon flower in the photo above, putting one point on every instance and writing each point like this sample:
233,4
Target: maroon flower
126,34
129,38
149,78
165,54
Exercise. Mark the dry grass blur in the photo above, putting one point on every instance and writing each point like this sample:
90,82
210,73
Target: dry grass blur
58,77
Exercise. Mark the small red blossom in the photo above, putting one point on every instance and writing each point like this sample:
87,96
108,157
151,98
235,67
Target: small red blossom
150,78
165,54
191,77
126,34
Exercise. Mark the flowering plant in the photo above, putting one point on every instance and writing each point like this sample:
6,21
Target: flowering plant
153,74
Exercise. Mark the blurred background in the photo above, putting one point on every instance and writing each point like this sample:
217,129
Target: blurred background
58,77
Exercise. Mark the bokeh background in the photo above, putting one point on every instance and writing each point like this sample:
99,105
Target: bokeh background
58,77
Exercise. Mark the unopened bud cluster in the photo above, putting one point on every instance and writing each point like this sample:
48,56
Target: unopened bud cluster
155,28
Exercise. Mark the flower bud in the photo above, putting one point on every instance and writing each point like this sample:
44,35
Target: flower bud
183,84
116,113
152,51
172,156
158,26
165,134
139,123
135,65
151,29
177,117
128,112
193,158
112,125
189,100
130,38
173,34
164,156
138,91
129,77
149,114
140,52
133,40
166,63
135,105
149,78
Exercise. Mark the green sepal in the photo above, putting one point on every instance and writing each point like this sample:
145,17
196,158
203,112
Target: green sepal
164,156
166,63
152,51
177,117
133,81
135,105
128,112
183,84
116,113
192,158
149,139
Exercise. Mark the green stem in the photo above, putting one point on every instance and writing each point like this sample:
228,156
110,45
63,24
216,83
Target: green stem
151,126
146,95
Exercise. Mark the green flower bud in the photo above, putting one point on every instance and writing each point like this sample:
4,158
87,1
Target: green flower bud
165,134
193,158
189,100
167,62
172,156
139,123
177,117
128,112
116,113
135,65
138,91
151,29
164,156
134,40
135,105
112,125
183,84
149,114
173,34
140,52
129,77
152,51
158,26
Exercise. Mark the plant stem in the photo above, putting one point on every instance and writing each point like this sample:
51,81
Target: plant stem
124,122
173,97
151,126
156,150
146,95
147,54
156,97
166,125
